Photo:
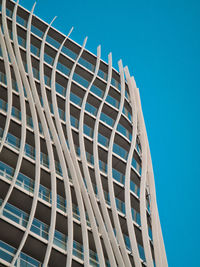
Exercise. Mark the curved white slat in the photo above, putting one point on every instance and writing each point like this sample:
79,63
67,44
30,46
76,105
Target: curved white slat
131,229
49,149
97,172
9,90
22,104
86,171
36,131
158,243
77,168
143,214
88,178
71,166
58,147
155,235
110,179
9,110
104,222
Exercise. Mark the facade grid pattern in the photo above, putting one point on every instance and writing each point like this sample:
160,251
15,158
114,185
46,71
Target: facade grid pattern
76,177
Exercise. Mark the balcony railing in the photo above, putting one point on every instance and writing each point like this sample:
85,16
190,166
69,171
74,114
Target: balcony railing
41,229
88,131
7,253
29,151
44,193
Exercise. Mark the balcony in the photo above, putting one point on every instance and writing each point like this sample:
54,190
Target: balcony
40,229
7,253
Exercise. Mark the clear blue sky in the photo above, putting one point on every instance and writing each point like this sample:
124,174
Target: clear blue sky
160,43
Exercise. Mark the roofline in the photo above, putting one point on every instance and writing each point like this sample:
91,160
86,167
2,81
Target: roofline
64,35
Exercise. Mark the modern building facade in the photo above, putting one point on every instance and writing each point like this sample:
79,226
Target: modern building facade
76,179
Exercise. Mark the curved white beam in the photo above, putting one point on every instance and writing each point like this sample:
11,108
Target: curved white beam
48,144
77,168
97,171
131,229
158,243
143,213
90,188
76,171
119,234
71,166
58,145
9,90
17,65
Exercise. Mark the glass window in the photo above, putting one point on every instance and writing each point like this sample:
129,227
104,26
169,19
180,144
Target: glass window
122,129
29,121
36,73
63,68
3,78
141,252
86,64
35,50
44,160
13,141
97,91
74,122
14,85
6,252
103,166
118,176
111,100
29,151
60,89
8,12
91,109
103,140
75,99
36,31
48,59
87,130
21,21
105,118
120,151
61,114
68,52
3,105
21,41
80,80
16,113
102,74
47,80
52,41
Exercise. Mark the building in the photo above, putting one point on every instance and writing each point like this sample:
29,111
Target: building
76,178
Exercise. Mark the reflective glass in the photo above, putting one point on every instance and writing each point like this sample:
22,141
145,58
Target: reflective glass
63,68
105,118
86,64
68,52
96,90
48,59
87,130
75,99
21,21
91,109
103,140
35,50
80,80
60,89
111,100
21,41
120,151
36,31
52,41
